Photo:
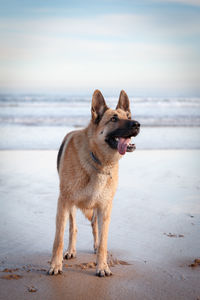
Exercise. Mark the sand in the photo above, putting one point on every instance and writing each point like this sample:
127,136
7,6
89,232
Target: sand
154,245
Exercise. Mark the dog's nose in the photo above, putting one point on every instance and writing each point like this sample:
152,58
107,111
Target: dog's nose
135,124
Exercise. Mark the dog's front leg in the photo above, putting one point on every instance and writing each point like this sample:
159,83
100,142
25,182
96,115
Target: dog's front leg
57,255
71,251
103,223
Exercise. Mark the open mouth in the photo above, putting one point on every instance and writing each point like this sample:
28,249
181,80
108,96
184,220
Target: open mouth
120,138
122,144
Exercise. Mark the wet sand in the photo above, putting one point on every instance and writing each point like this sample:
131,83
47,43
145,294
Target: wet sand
153,237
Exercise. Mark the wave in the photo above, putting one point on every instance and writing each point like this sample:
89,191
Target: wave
83,121
56,99
57,110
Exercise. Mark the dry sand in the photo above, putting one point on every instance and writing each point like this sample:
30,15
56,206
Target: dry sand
153,238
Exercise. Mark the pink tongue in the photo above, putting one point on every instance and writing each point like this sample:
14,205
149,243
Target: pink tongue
122,145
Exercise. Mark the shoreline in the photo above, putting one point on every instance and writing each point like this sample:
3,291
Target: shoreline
50,137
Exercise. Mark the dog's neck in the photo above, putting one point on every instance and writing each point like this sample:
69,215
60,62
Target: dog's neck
102,161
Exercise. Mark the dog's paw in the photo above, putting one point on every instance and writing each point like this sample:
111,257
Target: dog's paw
69,254
102,272
55,269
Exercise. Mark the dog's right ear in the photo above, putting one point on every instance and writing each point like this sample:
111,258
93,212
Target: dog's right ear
98,106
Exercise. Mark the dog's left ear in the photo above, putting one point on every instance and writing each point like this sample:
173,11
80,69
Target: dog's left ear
124,103
98,106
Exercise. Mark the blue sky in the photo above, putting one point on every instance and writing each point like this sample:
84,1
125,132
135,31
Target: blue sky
148,48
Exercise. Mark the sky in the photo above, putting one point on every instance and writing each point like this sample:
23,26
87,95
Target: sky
146,47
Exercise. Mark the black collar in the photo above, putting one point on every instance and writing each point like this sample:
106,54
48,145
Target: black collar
95,159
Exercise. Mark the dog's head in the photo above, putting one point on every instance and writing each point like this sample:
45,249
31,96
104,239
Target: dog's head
114,128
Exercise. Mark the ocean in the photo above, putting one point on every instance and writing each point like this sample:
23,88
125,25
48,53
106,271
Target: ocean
41,121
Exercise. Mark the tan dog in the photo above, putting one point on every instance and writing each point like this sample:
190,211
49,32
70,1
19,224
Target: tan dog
88,169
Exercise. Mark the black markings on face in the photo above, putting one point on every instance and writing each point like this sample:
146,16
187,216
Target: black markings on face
128,115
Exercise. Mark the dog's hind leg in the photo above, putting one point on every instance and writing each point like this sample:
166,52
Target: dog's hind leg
57,255
71,251
95,232
91,215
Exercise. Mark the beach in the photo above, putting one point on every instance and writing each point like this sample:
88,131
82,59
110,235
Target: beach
153,244
128,73
153,237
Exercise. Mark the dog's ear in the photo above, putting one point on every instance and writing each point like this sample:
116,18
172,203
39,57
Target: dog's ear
124,103
98,106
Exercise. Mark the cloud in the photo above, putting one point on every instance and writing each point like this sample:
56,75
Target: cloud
110,25
187,2
71,62
107,50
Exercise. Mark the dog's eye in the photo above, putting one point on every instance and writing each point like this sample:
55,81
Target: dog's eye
114,119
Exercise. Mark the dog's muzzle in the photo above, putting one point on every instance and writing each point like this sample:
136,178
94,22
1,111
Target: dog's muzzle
120,139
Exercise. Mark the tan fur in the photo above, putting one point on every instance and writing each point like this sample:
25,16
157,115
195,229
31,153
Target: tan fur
86,185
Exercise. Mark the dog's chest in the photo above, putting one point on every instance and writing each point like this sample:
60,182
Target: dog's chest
98,190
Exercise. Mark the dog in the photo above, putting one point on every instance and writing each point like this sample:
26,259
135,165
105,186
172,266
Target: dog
87,164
